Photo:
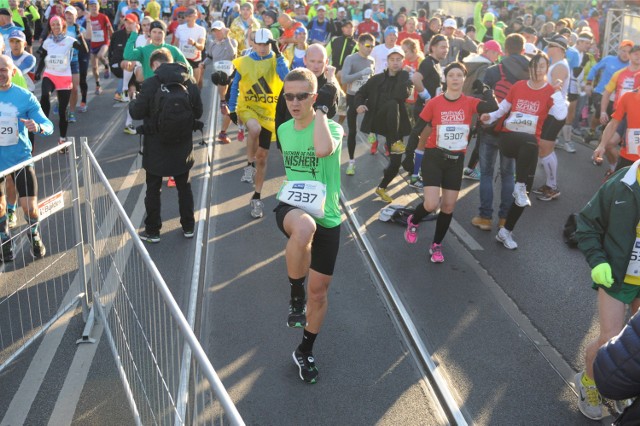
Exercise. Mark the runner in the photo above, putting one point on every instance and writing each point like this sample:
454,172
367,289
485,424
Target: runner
258,77
7,27
448,119
190,38
83,59
24,115
122,68
70,15
295,52
458,42
99,34
311,146
242,25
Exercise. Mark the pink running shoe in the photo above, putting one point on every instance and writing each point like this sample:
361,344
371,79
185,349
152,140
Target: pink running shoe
436,253
171,183
411,233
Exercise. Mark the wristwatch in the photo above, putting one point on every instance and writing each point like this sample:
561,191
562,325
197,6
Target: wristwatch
323,108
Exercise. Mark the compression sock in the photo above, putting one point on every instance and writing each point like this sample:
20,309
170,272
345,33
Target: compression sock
33,222
550,165
419,214
308,338
11,207
256,196
442,226
566,132
297,288
587,381
417,162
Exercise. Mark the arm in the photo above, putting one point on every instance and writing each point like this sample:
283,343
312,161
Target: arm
503,108
594,70
604,104
140,107
196,100
607,140
281,67
323,142
131,52
233,99
426,132
80,44
35,113
33,11
488,102
592,221
477,16
468,45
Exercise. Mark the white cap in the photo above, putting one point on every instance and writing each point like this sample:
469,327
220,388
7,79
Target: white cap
395,49
72,10
217,25
263,35
450,23
321,8
368,13
341,9
530,49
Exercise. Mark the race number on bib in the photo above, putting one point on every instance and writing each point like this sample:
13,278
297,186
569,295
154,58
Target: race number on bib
356,85
633,140
627,86
8,131
453,137
308,195
57,63
97,35
521,122
225,66
634,263
189,51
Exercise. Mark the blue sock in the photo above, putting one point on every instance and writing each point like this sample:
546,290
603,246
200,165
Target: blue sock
11,207
417,162
33,223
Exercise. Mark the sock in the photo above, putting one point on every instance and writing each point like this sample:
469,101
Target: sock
417,162
566,132
129,120
297,288
550,165
256,196
11,207
587,381
3,225
442,226
419,214
612,167
33,223
352,161
126,78
308,338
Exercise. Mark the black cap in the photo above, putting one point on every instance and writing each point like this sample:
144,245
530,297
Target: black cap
564,30
5,11
557,40
530,30
272,13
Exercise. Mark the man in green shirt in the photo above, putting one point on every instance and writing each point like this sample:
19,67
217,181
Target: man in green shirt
311,145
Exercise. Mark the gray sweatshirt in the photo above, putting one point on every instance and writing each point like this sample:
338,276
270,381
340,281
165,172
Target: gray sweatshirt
224,50
356,70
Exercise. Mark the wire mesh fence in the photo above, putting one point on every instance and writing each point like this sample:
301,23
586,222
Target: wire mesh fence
41,260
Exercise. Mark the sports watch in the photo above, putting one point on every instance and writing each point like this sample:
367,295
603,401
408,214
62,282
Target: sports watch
323,108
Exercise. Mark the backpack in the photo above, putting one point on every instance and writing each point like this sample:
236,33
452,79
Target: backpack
174,114
569,231
502,86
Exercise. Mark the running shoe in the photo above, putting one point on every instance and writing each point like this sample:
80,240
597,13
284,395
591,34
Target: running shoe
107,74
241,134
506,238
117,97
72,117
382,193
520,195
38,250
130,130
372,138
306,366
82,108
171,182
257,209
570,147
6,254
473,174
589,399
622,405
148,237
223,138
125,97
374,148
436,253
63,150
482,223
549,194
12,218
297,313
540,190
188,233
351,169
398,148
411,233
98,90
248,174
416,182
577,132
56,110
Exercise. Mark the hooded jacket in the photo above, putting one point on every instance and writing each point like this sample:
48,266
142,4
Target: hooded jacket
158,158
477,66
515,67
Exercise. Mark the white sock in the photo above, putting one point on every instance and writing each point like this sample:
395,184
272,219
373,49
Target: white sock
550,165
126,77
612,167
352,161
566,132
129,120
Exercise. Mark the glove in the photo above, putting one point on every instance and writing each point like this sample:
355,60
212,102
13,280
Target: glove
219,78
327,95
477,87
234,117
601,274
274,48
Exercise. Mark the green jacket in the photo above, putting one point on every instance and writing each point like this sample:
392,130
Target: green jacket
143,54
481,30
606,226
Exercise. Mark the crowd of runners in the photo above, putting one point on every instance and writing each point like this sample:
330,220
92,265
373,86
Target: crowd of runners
513,79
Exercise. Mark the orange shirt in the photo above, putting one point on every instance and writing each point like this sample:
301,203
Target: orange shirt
628,104
413,96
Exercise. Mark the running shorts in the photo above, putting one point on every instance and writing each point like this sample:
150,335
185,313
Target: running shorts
95,50
25,182
626,294
264,140
75,67
194,64
441,169
551,128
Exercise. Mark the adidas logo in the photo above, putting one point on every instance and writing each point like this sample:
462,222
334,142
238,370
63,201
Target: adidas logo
260,92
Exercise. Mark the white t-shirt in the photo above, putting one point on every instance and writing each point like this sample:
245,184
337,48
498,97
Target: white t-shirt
58,59
184,33
379,54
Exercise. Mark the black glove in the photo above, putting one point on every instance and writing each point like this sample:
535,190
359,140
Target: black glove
477,87
37,76
234,117
327,95
219,78
274,47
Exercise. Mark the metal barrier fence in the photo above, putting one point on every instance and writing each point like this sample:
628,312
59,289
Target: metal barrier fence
146,329
38,285
621,24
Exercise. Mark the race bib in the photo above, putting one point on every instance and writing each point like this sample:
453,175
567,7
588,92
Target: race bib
308,195
225,66
97,35
627,86
453,137
356,85
57,63
521,122
633,140
8,131
633,269
189,51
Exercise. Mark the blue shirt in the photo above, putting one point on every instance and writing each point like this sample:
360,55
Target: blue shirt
17,103
609,66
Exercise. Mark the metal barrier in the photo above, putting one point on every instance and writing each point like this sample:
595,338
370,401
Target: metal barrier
620,25
146,329
34,291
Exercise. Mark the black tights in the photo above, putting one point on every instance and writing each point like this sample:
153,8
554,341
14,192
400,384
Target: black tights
352,117
84,87
392,169
63,102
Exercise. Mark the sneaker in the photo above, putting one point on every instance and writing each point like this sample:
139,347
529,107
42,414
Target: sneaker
520,195
297,313
306,366
506,238
56,110
398,148
382,193
549,194
372,138
223,138
589,399
416,182
63,150
248,174
501,222
577,132
107,74
257,207
171,182
150,238
622,405
6,254
117,97
125,97
98,90
411,233
38,250
188,233
241,134
482,223
374,148
72,117
570,147
130,130
473,174
351,169
541,190
436,253
82,108
12,218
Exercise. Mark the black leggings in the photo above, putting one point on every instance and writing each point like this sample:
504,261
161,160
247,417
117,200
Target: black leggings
352,116
392,169
63,102
84,87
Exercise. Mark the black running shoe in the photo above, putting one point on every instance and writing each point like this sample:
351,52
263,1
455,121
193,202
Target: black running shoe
6,254
38,250
306,366
297,313
150,238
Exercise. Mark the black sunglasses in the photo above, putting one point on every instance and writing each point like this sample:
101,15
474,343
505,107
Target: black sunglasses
299,96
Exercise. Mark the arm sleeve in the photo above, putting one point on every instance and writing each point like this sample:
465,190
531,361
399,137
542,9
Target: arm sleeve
233,97
347,77
503,108
281,67
468,45
35,15
477,15
560,106
131,52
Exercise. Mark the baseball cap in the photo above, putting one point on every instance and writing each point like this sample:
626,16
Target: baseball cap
450,23
368,13
300,30
263,36
494,46
530,49
93,2
72,10
79,5
271,13
375,2
623,43
391,30
395,49
5,11
17,34
557,40
341,9
217,25
489,17
321,8
132,17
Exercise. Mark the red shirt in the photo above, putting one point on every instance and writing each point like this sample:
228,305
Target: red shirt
100,30
413,96
450,121
368,26
529,108
405,35
628,104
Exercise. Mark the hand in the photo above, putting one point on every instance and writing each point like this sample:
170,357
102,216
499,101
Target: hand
30,125
234,117
416,78
327,95
458,33
362,109
331,72
601,274
604,118
588,90
191,42
598,153
557,86
485,118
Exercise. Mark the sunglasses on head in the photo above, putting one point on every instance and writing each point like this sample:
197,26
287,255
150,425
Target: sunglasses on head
299,96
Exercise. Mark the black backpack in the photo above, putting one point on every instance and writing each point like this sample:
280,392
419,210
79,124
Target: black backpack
569,231
174,114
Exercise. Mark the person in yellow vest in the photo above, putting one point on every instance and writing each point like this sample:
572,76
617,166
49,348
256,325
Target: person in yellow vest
243,25
153,9
254,95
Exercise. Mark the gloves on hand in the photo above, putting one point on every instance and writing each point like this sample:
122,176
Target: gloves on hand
234,117
219,78
601,274
327,95
275,48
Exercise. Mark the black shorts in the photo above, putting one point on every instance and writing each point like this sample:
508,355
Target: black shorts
441,169
25,182
325,244
264,140
194,64
551,128
596,98
572,97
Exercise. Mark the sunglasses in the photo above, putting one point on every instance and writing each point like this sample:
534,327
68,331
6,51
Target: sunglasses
368,45
299,96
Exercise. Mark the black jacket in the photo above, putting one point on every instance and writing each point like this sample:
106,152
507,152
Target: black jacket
385,97
116,51
163,159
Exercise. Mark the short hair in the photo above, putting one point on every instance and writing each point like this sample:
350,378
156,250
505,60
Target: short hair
413,19
454,65
161,55
366,37
435,40
246,5
514,44
411,44
303,74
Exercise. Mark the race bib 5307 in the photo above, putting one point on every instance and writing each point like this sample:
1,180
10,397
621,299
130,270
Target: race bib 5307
453,137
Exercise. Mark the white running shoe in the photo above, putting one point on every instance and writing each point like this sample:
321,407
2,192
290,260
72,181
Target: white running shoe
589,400
248,173
570,146
506,238
520,195
257,207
